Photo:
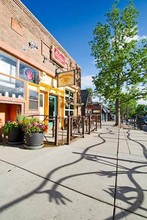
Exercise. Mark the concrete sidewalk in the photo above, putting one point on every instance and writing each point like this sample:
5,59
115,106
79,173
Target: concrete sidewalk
99,177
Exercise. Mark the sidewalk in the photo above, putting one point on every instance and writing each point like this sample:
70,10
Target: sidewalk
99,177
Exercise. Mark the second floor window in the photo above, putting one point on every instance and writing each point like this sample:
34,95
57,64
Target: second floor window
7,65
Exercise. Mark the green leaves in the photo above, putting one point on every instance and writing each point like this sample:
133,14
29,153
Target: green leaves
120,59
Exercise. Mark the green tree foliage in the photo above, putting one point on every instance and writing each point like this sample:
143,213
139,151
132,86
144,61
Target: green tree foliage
120,59
90,94
140,110
93,93
90,91
128,108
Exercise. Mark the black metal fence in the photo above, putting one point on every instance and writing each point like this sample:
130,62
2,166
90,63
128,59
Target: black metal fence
136,123
63,130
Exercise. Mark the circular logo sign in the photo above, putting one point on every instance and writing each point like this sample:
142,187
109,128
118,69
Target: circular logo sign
29,73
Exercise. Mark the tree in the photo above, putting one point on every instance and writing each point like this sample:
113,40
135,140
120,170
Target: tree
140,110
120,59
128,106
90,91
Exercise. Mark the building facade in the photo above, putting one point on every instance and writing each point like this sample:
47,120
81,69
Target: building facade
37,75
89,106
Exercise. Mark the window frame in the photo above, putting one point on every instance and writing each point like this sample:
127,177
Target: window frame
37,100
69,110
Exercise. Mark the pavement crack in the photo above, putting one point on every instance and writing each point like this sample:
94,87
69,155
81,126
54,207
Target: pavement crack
115,190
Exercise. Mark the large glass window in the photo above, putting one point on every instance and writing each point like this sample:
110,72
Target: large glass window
7,65
28,73
33,100
41,100
69,103
11,87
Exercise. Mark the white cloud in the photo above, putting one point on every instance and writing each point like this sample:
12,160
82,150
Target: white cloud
142,102
129,39
86,82
136,37
142,37
93,62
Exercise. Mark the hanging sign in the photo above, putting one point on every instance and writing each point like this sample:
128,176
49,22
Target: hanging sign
66,78
57,56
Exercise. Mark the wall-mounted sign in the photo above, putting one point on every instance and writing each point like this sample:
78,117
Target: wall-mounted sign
16,26
45,50
57,56
43,77
29,74
96,111
66,78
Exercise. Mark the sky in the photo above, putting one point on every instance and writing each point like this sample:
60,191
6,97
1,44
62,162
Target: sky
71,22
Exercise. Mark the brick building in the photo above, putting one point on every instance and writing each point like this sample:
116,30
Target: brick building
37,75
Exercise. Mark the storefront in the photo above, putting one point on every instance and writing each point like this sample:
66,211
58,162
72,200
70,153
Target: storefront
29,59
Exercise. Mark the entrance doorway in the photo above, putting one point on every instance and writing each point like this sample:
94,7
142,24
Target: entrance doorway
9,112
52,106
41,109
52,110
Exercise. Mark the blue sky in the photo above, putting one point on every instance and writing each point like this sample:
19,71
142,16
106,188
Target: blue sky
72,22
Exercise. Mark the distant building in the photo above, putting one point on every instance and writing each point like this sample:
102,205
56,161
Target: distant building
92,107
86,100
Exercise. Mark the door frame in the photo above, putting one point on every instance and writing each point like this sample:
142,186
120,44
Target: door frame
55,98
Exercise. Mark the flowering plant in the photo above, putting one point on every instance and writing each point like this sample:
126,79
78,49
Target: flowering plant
35,126
17,123
9,125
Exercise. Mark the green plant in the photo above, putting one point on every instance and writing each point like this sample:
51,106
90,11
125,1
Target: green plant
1,123
19,122
9,125
119,57
35,126
21,119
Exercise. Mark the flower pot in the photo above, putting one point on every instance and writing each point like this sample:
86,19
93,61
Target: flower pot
1,138
16,136
34,140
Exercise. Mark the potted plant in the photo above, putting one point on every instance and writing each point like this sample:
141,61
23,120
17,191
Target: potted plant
14,130
34,133
1,130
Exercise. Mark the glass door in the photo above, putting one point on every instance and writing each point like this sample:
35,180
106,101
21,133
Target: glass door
52,110
69,103
41,108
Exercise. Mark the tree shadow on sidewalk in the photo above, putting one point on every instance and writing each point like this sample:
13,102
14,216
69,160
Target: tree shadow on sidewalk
60,199
53,191
139,143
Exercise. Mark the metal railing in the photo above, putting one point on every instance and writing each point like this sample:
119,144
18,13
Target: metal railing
63,130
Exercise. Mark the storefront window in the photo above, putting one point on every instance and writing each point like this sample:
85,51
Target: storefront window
33,100
11,87
41,100
69,103
28,73
7,65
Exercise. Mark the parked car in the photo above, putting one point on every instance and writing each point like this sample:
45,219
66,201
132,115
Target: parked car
144,120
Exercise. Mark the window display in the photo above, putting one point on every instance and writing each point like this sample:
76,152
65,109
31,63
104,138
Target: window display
69,103
29,74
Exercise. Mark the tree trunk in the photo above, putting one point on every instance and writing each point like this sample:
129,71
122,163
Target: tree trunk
117,110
